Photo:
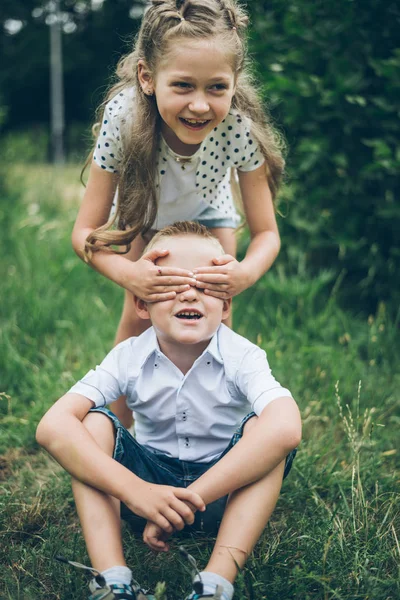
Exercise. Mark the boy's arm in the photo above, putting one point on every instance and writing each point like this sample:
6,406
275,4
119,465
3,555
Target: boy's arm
62,433
276,432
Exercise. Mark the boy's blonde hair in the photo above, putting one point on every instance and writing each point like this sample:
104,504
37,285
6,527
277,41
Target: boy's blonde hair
184,228
164,24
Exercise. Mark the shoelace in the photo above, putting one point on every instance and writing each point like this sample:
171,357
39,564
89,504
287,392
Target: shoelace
98,577
198,586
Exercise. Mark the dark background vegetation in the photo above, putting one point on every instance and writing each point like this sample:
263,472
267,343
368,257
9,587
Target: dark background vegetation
329,71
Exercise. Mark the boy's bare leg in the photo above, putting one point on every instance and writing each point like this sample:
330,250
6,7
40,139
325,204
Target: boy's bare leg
246,515
98,512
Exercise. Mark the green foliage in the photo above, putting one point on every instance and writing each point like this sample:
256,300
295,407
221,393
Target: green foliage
330,71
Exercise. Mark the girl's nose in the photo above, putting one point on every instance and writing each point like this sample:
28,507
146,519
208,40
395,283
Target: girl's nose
199,105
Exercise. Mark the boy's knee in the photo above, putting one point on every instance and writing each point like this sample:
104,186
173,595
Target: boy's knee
101,428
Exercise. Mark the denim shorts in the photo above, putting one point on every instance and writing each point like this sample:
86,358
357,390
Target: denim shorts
156,467
210,217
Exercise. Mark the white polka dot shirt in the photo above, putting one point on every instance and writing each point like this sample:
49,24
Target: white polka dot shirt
184,193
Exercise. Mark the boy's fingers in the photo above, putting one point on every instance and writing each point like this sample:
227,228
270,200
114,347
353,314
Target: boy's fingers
184,511
195,499
174,518
162,522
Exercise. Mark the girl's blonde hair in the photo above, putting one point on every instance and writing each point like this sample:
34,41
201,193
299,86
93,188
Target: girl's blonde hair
163,23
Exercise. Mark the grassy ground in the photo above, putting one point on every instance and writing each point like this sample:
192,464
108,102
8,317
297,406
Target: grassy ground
335,531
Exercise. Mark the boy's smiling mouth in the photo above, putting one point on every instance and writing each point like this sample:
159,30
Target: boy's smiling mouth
189,314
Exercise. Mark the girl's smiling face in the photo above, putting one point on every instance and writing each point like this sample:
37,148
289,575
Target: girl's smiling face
194,85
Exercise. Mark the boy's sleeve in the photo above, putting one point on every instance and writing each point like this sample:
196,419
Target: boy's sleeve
256,382
108,381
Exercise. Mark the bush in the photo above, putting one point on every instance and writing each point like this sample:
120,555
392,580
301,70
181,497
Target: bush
330,72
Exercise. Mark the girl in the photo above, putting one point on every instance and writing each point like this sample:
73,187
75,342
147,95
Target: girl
181,118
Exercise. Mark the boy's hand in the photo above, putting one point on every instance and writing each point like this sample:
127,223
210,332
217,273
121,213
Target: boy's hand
228,278
155,537
164,505
154,284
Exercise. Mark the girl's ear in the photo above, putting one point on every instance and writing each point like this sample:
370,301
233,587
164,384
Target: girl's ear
141,308
145,77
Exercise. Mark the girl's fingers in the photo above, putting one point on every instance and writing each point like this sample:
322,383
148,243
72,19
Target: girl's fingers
216,269
219,287
216,287
171,280
213,277
166,289
221,295
160,297
173,271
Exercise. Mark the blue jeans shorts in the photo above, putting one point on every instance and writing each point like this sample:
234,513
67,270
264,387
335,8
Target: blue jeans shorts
209,217
156,467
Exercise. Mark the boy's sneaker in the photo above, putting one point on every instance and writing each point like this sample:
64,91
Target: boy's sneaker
198,588
198,595
116,591
100,590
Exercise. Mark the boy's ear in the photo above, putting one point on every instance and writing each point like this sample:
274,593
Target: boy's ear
226,309
141,308
145,77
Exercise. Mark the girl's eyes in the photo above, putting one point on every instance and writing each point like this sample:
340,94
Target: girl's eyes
219,87
184,85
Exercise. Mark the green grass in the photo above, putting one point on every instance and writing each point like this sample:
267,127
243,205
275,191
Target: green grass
335,532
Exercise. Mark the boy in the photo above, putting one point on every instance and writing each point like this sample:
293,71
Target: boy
189,381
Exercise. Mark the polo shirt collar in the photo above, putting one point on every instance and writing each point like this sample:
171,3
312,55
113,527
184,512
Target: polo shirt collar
213,347
147,345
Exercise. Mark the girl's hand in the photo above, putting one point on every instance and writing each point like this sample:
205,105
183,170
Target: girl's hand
166,506
155,537
152,283
228,278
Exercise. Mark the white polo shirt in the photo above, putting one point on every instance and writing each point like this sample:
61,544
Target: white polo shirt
191,417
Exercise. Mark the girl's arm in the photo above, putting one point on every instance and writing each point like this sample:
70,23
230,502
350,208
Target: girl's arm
230,277
62,433
140,277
